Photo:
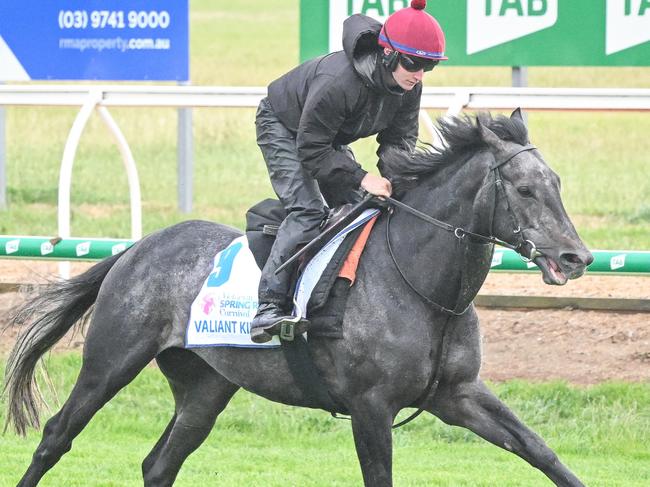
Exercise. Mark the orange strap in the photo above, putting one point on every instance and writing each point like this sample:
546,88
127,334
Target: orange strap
349,269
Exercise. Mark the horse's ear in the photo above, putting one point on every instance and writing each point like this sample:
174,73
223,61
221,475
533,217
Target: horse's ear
488,136
517,115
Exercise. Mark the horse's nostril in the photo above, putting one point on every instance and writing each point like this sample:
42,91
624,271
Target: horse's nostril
571,258
575,259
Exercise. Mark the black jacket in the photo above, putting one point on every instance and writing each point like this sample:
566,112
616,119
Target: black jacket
341,97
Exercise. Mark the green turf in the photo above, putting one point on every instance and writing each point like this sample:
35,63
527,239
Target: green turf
600,432
601,157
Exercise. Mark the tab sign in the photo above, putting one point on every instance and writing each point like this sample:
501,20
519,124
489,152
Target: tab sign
494,22
628,24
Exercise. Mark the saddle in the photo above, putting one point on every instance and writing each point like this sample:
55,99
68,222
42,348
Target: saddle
328,298
262,223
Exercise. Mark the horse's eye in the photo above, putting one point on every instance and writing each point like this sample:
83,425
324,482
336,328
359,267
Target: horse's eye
525,191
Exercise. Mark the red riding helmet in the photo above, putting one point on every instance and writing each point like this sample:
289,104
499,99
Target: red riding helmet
413,31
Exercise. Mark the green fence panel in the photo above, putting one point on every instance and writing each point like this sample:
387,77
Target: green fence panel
53,248
605,261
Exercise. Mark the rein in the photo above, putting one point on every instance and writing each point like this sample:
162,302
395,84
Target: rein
459,233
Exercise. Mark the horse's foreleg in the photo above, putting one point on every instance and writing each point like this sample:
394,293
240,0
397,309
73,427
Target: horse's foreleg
200,395
371,425
473,406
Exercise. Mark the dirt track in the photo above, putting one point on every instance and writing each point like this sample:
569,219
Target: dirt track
582,347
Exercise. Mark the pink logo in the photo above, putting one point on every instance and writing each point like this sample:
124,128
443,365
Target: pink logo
208,304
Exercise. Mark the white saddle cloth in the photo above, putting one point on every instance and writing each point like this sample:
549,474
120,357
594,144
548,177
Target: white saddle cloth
222,312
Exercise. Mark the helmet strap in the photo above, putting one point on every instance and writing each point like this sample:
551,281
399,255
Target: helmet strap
391,59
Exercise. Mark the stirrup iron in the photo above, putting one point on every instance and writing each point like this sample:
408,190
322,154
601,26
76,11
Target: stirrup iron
287,331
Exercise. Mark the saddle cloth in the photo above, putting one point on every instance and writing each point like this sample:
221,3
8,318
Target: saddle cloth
227,302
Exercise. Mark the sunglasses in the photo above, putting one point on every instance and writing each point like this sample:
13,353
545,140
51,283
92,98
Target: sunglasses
413,64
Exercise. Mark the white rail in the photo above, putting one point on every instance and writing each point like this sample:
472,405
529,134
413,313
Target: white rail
221,96
453,100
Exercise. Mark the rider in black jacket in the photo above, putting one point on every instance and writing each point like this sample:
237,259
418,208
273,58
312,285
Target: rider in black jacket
310,115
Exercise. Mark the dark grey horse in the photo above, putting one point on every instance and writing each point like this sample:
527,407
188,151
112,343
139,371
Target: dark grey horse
487,180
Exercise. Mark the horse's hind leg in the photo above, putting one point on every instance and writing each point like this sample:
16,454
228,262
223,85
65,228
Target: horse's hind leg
110,362
473,406
200,394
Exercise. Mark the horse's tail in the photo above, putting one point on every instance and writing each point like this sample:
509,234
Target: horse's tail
51,313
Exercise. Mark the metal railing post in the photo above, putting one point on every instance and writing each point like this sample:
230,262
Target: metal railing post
185,158
520,80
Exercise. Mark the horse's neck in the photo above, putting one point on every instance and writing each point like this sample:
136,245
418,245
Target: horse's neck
432,257
460,194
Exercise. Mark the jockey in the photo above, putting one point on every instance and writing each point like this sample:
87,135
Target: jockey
315,110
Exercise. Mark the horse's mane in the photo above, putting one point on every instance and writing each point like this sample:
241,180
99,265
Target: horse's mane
461,138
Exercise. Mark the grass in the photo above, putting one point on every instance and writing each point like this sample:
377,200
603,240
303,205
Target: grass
600,432
601,157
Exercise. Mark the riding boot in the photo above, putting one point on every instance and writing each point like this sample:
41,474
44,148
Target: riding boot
273,316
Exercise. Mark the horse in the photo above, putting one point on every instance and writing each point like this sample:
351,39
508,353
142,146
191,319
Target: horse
411,334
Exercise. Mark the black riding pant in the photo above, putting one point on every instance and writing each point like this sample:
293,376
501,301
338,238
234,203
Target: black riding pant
300,196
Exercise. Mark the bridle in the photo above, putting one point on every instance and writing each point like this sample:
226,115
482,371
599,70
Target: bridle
460,233
517,230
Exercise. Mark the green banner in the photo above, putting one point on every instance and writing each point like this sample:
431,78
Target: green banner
505,32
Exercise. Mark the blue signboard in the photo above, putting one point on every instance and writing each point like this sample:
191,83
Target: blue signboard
94,40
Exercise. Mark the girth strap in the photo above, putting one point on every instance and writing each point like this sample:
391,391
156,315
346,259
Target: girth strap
307,377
